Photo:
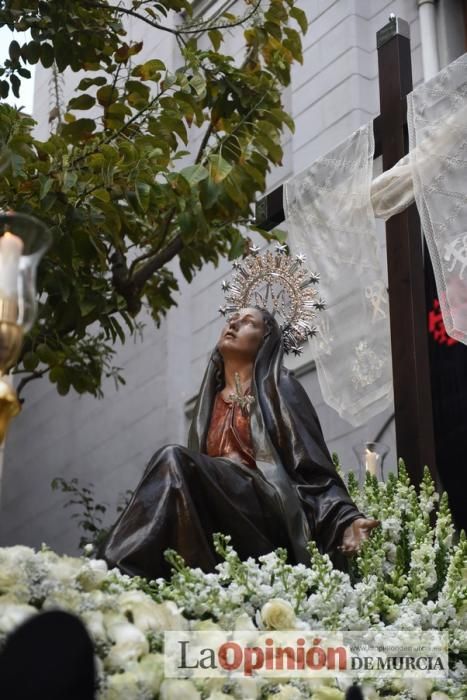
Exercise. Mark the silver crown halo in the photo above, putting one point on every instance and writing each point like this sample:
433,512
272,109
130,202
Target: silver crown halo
281,284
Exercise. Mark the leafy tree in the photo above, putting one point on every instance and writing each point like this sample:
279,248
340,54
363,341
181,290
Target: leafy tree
118,181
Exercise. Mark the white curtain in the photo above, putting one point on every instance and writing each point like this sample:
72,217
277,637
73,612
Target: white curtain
437,120
331,220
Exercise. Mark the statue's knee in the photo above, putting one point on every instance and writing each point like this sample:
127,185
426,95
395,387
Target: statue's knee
171,452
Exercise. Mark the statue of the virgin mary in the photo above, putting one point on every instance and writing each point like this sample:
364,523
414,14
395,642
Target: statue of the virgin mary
256,468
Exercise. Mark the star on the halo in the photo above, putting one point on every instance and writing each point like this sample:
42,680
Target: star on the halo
300,258
222,310
236,264
297,350
254,249
281,247
312,332
225,285
314,277
320,305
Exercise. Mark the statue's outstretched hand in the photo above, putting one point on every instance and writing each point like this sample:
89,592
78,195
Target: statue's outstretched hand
355,534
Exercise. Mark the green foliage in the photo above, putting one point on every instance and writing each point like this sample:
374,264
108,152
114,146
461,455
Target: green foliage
89,513
119,182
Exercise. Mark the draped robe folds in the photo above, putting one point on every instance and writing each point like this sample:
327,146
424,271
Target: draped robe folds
185,496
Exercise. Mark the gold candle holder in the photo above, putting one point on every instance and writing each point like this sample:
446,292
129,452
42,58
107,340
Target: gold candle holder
23,241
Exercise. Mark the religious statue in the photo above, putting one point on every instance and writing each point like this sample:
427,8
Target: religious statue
256,467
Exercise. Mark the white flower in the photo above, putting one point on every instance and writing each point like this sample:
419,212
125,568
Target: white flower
438,695
244,623
94,621
204,625
325,692
151,669
287,692
419,688
62,569
13,564
173,689
249,687
219,695
130,644
88,549
13,614
125,686
278,614
92,574
148,615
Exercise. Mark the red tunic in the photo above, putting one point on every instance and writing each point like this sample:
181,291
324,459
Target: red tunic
229,433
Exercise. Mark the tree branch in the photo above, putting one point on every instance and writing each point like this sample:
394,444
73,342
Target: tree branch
141,276
177,32
37,374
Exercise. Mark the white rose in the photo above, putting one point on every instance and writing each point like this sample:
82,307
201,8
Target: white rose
13,561
122,686
12,615
92,574
278,614
62,569
370,693
67,599
249,688
151,669
244,623
130,644
287,692
172,689
94,621
148,615
419,688
325,692
204,625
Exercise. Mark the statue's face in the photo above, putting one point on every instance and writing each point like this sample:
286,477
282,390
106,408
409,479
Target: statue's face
243,334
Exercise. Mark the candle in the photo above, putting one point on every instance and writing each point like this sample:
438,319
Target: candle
11,247
371,461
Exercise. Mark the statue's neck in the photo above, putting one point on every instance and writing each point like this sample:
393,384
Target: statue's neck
244,371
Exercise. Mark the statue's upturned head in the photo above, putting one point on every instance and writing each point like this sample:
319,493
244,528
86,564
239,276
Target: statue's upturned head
244,333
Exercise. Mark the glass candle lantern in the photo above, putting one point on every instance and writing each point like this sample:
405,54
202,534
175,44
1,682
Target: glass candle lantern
23,241
370,457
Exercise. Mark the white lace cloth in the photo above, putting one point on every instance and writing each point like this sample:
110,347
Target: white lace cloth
331,220
437,120
331,209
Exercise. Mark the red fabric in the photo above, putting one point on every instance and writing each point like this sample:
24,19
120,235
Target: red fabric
229,433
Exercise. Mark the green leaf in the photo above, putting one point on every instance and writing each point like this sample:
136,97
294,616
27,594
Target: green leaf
198,83
101,194
143,191
82,102
106,95
219,167
14,51
216,38
150,70
30,361
45,183
33,52
46,354
47,55
78,130
194,173
300,17
86,83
